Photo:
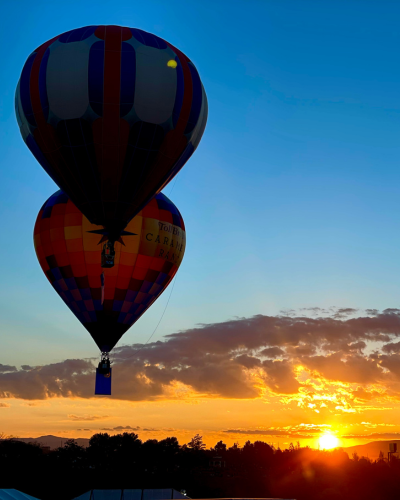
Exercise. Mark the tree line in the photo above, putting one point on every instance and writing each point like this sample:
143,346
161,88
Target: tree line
255,470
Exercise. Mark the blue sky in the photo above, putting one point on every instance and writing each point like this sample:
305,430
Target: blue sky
292,198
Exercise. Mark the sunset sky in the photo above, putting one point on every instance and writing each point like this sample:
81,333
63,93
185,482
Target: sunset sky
284,318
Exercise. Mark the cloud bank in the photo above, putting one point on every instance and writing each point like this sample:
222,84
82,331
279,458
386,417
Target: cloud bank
330,361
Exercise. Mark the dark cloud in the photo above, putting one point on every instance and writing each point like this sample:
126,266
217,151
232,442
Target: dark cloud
272,352
391,311
4,405
237,359
292,433
314,310
280,377
288,312
121,428
268,432
391,363
391,347
65,379
300,350
344,312
248,361
87,417
7,368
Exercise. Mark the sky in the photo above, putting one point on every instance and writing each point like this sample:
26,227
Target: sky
291,205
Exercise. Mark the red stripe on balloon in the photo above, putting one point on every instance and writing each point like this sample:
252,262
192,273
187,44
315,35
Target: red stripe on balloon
110,132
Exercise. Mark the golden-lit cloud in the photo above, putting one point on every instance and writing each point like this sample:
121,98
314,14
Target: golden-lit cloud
330,364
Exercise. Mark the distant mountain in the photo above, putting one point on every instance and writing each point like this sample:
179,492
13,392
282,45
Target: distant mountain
371,450
54,441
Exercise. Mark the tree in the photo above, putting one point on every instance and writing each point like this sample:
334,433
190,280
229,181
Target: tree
196,443
126,441
234,447
263,451
220,447
71,453
169,445
100,449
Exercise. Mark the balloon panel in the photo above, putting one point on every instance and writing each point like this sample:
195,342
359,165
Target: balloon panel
111,114
70,257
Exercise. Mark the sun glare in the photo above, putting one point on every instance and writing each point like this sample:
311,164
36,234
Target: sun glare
328,441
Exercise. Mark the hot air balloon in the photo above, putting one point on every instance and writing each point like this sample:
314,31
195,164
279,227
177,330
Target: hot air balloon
112,114
109,301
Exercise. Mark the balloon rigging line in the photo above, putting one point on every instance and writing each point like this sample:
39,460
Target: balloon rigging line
158,324
173,185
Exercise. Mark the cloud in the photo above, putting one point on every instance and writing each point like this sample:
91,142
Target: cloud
344,312
374,435
302,359
4,405
295,432
7,368
120,428
87,418
361,394
65,379
272,352
391,347
369,424
353,369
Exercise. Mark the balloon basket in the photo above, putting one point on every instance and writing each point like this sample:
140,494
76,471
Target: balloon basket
103,383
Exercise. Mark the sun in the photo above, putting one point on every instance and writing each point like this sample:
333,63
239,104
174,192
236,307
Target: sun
328,441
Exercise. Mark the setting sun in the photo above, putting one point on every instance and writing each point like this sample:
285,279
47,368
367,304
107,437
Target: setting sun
328,441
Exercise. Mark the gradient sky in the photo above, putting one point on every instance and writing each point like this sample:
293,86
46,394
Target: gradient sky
291,201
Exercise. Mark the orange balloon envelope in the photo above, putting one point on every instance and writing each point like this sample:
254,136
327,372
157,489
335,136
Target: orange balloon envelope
109,301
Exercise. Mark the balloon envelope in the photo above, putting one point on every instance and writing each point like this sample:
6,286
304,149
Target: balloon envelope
109,304
111,114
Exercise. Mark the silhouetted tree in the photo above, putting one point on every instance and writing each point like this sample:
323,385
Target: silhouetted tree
71,454
220,447
196,443
256,470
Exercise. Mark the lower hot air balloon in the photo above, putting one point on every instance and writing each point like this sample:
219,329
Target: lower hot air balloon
109,301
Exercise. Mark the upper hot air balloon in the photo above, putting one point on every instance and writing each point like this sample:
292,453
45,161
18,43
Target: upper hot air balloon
111,114
109,302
